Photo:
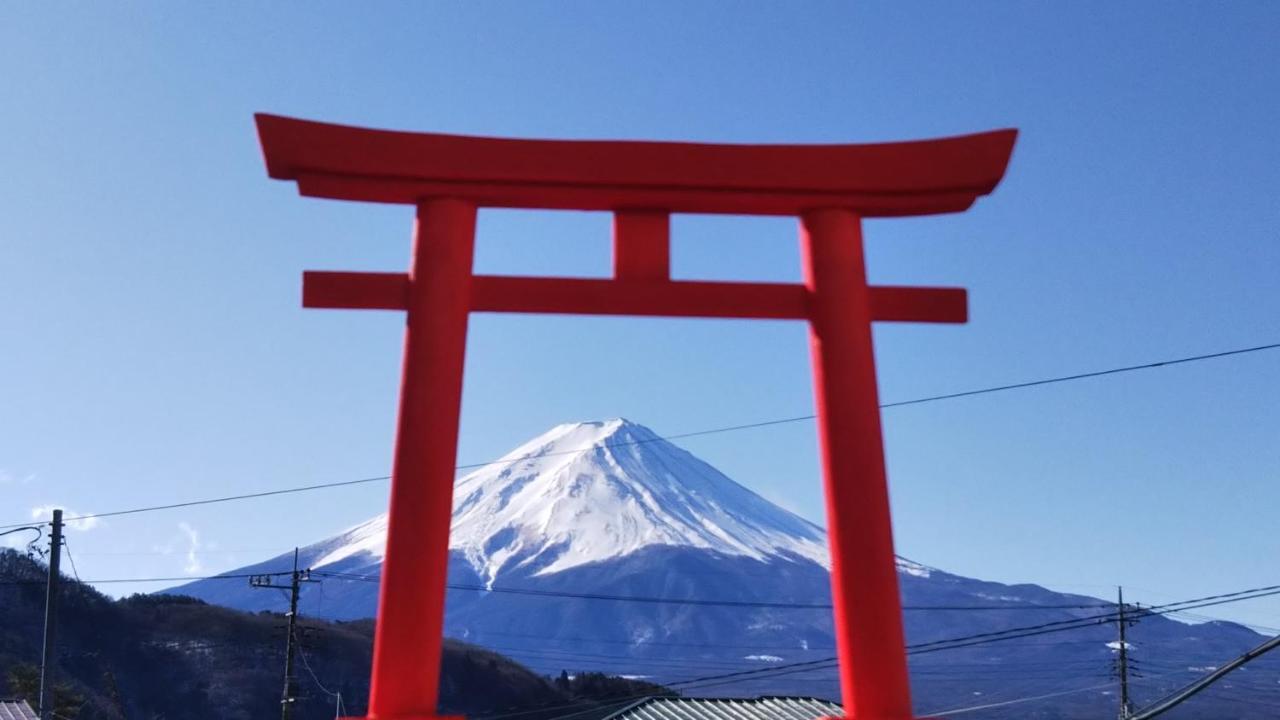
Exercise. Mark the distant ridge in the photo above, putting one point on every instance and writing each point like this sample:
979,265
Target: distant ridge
589,514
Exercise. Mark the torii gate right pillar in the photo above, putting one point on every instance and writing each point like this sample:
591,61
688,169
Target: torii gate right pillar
864,581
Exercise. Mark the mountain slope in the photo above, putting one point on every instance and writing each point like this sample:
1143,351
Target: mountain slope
545,541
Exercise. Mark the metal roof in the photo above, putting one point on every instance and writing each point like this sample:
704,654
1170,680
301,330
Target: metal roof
16,710
762,708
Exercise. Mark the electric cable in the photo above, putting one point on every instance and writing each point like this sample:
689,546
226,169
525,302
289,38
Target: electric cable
696,433
987,638
1018,701
72,560
32,546
699,602
306,664
830,663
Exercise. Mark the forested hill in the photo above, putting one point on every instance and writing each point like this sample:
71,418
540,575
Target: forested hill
176,657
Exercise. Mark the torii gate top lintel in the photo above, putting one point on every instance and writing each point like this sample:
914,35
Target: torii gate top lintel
830,188
920,177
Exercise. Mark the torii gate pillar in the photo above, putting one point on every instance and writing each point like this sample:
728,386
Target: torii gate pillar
858,525
830,188
410,624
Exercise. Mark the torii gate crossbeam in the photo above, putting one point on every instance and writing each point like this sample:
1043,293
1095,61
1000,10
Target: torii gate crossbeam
830,188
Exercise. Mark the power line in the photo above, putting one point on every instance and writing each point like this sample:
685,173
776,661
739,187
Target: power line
1269,590
733,681
699,602
583,596
1045,628
920,648
985,638
481,636
32,545
550,658
176,578
223,499
306,664
831,663
74,571
956,642
1182,695
811,664
1197,618
1032,698
697,433
954,711
1142,612
1085,376
658,643
1164,609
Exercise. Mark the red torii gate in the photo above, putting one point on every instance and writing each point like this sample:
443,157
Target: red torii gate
829,187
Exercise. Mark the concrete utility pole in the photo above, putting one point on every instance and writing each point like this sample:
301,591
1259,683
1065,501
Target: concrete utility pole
1126,708
48,657
296,578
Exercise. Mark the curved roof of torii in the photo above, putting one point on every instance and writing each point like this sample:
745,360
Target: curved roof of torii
920,177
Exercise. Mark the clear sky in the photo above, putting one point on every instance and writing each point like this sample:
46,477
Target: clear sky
154,348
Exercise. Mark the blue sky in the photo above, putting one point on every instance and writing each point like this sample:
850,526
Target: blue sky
154,348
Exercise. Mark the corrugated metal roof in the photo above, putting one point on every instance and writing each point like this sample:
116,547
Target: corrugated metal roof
16,710
763,708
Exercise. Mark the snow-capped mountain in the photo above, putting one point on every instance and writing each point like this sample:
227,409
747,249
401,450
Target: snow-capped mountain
585,493
545,541
590,492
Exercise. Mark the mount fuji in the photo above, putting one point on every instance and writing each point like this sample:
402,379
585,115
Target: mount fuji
602,546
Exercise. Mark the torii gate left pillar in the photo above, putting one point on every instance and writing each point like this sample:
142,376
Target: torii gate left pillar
829,188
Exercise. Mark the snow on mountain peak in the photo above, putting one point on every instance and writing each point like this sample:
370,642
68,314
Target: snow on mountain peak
586,492
590,491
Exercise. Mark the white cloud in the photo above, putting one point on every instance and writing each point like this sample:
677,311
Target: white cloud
193,547
45,513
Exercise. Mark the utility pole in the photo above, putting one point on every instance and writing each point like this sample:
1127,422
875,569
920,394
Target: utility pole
48,657
296,578
1126,708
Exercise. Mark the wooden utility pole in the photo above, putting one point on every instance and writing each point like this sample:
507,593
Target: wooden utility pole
296,578
48,657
